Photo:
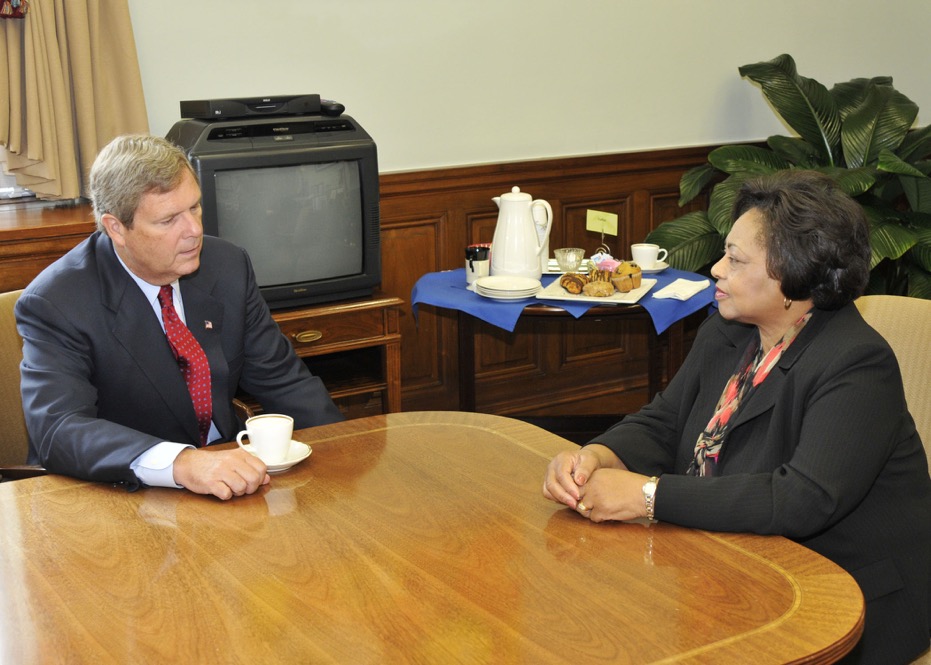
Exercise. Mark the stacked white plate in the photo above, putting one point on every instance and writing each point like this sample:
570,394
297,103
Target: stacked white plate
507,287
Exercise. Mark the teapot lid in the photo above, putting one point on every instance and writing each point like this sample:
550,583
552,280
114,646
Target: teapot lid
516,195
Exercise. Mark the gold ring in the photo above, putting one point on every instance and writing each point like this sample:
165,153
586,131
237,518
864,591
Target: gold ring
581,507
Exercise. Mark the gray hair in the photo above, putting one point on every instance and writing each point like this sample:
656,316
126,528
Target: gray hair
130,166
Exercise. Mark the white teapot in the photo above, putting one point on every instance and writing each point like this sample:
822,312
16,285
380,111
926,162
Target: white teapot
520,246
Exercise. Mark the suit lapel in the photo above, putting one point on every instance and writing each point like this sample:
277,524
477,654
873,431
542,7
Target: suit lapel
765,396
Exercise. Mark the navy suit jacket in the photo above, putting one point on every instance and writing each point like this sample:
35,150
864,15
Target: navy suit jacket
99,382
824,452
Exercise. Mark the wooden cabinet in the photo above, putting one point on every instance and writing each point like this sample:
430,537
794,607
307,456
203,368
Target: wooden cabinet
354,346
32,237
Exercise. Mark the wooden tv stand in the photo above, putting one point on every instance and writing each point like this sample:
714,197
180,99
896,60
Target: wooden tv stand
353,345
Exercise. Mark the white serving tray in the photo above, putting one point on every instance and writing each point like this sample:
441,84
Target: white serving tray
555,292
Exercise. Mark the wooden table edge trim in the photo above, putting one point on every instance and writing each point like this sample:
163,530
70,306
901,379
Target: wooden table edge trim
827,655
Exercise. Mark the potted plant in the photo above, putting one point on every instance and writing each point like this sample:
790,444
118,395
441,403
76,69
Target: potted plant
860,133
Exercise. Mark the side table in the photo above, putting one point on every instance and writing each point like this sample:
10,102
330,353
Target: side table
448,290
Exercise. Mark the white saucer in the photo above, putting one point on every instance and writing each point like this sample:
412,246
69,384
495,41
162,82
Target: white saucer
659,267
297,453
493,296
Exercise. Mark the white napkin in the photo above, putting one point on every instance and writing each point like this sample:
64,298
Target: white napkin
682,289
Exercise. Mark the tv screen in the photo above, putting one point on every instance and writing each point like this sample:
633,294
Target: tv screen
272,211
299,194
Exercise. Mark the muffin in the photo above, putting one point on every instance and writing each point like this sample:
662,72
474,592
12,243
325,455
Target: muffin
627,277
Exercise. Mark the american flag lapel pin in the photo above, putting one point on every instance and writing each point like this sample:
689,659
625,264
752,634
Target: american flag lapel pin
208,325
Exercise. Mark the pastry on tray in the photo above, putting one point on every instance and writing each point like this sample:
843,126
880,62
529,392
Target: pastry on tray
600,283
627,277
573,282
598,289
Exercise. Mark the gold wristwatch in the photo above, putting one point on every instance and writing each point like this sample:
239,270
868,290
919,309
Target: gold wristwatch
649,496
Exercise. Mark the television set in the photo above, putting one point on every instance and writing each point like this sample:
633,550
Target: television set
299,194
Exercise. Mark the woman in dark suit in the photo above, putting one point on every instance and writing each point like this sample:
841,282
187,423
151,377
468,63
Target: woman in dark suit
788,416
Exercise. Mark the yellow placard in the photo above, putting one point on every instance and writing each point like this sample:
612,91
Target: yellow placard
604,223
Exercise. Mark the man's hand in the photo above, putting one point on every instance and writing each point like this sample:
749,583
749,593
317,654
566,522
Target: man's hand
223,473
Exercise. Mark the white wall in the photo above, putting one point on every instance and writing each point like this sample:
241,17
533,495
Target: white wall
453,83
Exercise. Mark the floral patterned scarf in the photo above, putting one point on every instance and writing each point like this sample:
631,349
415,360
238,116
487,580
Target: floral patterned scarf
752,369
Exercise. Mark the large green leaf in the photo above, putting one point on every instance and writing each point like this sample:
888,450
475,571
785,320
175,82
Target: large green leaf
887,189
916,145
919,221
746,160
889,239
694,181
918,192
915,184
806,105
920,253
721,204
919,283
850,94
853,181
891,163
880,122
692,242
794,150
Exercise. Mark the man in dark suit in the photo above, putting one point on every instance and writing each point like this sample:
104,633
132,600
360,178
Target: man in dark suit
103,393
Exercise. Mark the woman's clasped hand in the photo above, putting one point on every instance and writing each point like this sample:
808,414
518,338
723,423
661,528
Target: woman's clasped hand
594,482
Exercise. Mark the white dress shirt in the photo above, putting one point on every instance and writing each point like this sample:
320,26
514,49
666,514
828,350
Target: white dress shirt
155,467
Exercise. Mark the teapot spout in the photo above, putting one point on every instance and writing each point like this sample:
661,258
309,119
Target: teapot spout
497,200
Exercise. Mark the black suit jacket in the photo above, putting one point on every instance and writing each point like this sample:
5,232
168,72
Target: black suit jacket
100,384
824,452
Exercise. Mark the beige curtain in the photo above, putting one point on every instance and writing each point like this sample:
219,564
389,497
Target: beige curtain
72,81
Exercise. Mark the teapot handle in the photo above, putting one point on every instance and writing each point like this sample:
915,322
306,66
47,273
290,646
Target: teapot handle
536,207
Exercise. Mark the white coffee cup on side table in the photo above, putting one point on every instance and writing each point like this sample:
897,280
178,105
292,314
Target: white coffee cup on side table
647,255
477,263
269,436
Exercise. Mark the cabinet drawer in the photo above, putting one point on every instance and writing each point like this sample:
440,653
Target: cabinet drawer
327,333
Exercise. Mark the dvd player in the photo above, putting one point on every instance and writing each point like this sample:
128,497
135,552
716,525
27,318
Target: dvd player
245,107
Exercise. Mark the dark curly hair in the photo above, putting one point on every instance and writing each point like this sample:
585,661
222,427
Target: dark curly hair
817,238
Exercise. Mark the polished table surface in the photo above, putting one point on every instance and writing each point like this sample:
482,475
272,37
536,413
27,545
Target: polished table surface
411,537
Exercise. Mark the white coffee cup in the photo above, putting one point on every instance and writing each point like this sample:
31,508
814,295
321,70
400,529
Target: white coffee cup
477,262
647,255
475,268
269,435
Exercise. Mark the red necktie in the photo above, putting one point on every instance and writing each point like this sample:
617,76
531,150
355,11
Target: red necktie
191,359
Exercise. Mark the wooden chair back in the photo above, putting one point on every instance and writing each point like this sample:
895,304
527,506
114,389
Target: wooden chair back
14,442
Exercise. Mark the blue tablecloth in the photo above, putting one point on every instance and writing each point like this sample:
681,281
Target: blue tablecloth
448,290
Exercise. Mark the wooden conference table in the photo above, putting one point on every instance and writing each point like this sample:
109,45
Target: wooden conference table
411,537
